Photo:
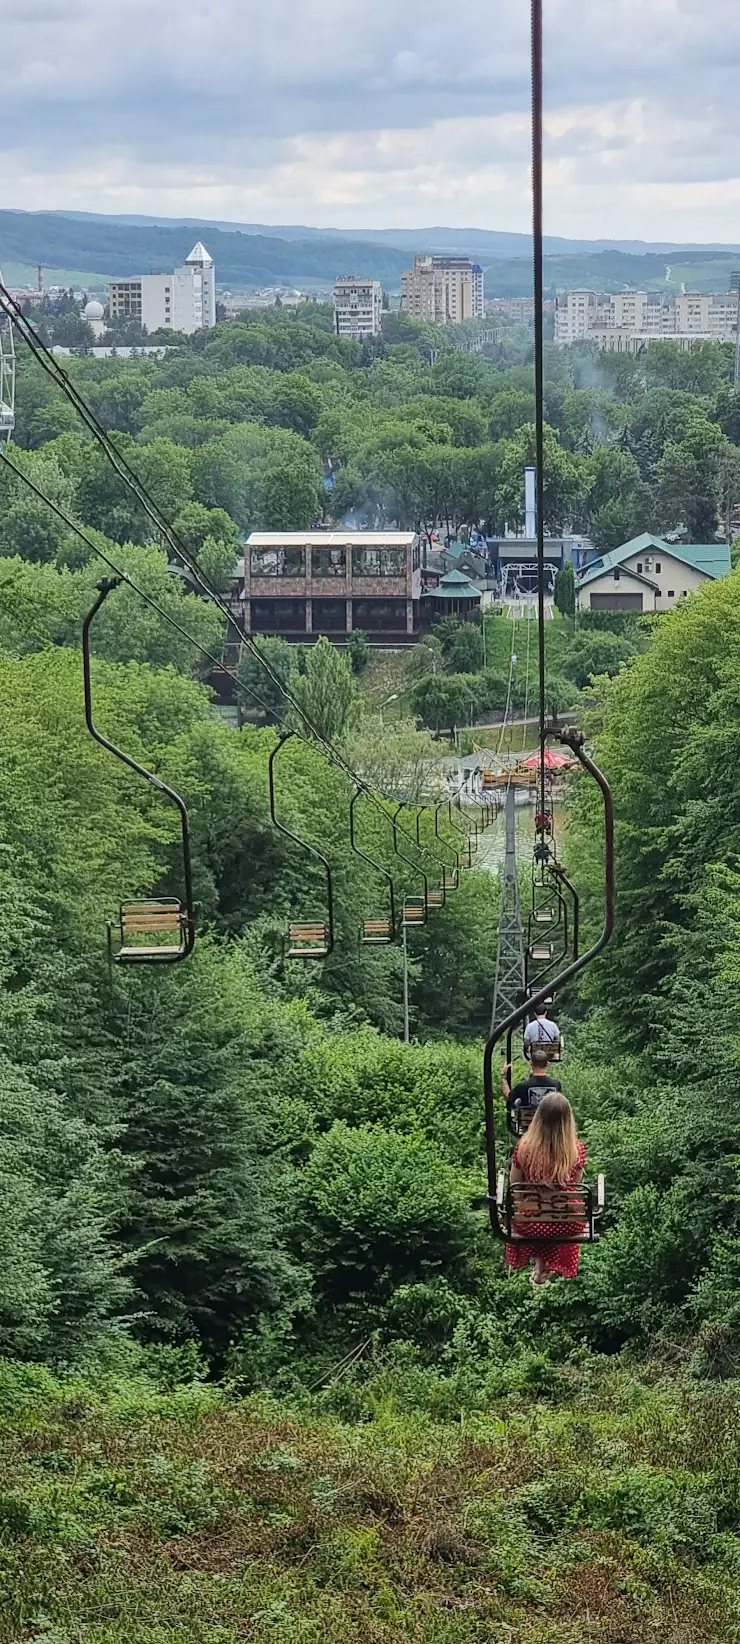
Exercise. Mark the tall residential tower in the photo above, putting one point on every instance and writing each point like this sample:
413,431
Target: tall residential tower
358,307
443,290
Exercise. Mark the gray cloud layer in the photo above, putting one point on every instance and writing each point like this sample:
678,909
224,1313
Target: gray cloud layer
390,114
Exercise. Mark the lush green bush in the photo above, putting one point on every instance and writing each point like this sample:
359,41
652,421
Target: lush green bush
376,1209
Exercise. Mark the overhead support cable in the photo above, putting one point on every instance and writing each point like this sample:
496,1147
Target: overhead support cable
321,743
539,369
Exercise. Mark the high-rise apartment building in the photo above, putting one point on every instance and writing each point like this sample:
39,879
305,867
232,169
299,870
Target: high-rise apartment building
182,301
443,290
358,307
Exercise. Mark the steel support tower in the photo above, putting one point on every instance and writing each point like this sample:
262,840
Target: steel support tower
508,987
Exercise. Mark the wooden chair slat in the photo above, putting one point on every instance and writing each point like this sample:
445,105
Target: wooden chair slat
130,954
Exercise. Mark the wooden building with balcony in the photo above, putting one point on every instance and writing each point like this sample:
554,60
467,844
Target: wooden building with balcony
300,584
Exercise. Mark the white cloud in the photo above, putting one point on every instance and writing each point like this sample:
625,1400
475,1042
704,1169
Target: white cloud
297,112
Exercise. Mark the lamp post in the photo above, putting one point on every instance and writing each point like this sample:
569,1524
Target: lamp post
384,704
423,646
405,986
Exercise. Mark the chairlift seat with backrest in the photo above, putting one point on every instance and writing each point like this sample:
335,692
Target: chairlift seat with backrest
149,920
572,1212
375,931
308,940
415,910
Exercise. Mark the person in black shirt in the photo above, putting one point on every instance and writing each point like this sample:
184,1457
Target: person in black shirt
529,1092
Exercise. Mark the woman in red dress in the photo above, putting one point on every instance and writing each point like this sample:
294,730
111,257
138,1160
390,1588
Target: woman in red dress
548,1155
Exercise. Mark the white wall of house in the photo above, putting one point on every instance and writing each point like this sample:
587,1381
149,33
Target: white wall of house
674,579
622,591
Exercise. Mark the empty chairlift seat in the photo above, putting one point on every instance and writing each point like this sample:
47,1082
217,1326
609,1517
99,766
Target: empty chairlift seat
375,931
149,932
415,910
436,898
308,940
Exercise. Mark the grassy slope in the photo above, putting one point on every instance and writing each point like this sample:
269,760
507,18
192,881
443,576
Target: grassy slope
167,1518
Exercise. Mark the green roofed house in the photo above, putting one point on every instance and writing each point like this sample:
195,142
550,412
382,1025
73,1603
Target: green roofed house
455,595
650,574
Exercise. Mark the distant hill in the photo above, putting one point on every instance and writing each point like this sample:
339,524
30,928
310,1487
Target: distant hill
247,256
475,242
106,247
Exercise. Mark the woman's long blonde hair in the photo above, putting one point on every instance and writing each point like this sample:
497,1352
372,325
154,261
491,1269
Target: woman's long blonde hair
548,1150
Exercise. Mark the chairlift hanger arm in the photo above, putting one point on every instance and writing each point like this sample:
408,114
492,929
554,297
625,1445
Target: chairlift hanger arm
377,866
416,867
560,873
106,587
463,832
427,849
310,850
575,741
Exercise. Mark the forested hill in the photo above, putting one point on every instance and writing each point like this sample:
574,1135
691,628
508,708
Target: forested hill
241,259
263,1374
109,248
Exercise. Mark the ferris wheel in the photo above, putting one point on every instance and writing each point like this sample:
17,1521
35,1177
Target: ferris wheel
7,377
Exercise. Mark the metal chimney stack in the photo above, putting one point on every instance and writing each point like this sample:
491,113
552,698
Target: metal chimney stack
530,504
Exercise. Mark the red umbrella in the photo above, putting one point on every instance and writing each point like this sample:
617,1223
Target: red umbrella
553,761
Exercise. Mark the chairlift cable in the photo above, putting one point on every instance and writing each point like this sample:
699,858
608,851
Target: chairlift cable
126,578
526,685
508,689
52,367
126,474
539,367
331,755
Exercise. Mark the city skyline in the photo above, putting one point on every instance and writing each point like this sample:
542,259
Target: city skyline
419,121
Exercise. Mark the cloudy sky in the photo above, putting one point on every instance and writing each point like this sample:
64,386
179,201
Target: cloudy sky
382,114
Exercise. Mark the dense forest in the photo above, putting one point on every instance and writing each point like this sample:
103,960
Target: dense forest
264,1374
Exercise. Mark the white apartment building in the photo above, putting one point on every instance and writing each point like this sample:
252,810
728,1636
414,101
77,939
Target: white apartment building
626,321
712,316
575,312
443,290
182,301
358,307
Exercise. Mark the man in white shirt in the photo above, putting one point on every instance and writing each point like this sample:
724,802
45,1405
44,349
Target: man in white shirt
541,1031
